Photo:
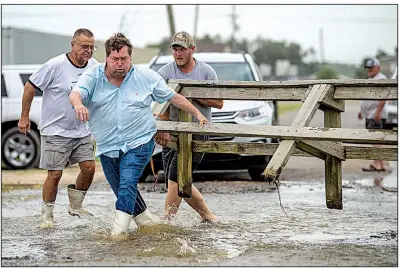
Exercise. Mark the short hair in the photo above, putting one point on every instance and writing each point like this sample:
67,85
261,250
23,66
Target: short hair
117,42
82,31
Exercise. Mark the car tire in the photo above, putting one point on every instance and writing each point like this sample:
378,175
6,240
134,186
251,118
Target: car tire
15,145
255,173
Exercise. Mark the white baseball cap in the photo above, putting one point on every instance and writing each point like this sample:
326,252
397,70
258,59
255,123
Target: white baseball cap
372,62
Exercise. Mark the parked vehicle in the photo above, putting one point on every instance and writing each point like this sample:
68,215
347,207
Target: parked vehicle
238,67
392,109
18,151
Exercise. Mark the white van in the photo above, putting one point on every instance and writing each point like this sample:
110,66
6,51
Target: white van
18,151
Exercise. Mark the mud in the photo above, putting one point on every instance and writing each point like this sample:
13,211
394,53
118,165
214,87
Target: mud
253,230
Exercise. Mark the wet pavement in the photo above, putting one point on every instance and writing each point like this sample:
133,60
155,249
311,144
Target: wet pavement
253,230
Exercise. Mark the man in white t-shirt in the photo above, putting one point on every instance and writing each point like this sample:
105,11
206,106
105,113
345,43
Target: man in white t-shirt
374,111
64,138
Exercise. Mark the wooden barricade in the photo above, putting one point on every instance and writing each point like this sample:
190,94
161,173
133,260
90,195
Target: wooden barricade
299,140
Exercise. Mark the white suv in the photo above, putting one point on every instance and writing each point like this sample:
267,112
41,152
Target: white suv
237,67
18,151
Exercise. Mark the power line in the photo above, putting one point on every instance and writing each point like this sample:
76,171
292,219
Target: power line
235,28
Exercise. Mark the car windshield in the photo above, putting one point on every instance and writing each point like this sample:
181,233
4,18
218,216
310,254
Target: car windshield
227,71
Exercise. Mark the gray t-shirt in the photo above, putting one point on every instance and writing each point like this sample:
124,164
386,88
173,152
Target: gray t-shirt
369,107
201,71
56,78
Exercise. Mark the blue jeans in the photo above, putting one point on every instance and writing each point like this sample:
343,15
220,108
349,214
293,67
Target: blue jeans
123,173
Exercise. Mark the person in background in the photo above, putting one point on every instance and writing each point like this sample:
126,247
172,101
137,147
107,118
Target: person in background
374,111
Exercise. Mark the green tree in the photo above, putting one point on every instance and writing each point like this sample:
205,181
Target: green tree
206,39
243,46
326,73
380,53
294,54
269,51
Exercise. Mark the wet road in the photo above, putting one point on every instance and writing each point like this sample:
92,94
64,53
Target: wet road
253,230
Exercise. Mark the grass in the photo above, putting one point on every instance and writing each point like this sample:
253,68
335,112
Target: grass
284,107
11,187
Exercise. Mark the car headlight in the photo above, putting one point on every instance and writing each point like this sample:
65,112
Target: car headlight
249,113
254,113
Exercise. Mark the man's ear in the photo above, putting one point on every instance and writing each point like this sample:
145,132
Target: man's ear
193,49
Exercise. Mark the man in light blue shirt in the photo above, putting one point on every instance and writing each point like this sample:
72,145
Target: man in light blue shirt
118,99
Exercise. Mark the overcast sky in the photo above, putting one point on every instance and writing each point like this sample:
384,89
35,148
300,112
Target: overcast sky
350,32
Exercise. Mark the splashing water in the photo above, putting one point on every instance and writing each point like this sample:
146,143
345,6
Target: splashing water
253,230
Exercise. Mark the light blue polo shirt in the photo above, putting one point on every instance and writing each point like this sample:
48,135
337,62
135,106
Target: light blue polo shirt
120,118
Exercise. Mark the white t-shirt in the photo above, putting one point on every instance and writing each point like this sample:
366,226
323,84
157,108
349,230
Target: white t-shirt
56,78
369,107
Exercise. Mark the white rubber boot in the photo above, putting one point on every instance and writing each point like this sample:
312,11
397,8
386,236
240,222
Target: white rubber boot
47,215
146,218
76,198
121,223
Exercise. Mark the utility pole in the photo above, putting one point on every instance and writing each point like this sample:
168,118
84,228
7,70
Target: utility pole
122,25
196,21
171,19
321,42
235,28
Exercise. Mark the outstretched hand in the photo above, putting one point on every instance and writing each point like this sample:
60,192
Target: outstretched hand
202,120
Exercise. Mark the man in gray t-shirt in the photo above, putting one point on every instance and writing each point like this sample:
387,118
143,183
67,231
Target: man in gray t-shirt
185,66
64,139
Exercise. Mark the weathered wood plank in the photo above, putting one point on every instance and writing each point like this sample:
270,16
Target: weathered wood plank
366,152
303,118
225,93
325,148
184,158
333,183
289,94
329,102
239,148
333,166
311,150
366,93
159,109
289,83
278,161
385,153
360,136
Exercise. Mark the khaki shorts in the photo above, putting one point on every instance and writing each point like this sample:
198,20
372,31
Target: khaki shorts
57,151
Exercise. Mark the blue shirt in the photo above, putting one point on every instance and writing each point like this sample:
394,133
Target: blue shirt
120,118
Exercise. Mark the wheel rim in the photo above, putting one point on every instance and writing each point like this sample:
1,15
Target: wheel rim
19,150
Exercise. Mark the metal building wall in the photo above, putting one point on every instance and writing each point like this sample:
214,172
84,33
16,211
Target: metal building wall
24,46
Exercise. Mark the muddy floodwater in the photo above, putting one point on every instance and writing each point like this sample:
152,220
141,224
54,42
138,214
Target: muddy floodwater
254,231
